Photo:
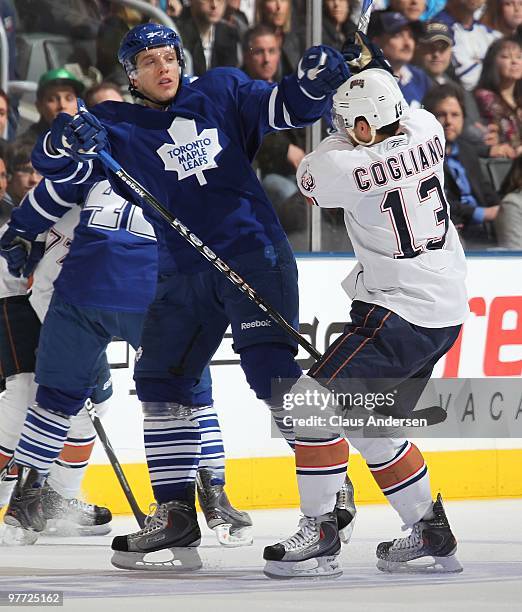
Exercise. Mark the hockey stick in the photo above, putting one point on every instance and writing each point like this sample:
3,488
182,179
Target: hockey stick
140,516
432,415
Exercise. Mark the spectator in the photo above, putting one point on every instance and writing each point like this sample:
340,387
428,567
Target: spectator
471,198
337,25
499,92
4,115
111,31
235,17
104,92
5,207
508,223
472,38
74,18
281,152
278,15
431,7
505,16
21,176
210,40
57,92
411,9
433,54
394,34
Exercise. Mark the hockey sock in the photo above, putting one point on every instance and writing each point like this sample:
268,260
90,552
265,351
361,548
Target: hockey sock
321,469
67,472
401,473
173,447
212,451
42,438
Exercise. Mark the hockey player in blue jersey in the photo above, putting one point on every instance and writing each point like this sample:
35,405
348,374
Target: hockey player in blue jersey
113,252
191,145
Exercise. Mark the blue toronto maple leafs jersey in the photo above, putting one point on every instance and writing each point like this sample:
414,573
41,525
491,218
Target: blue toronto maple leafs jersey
112,261
195,158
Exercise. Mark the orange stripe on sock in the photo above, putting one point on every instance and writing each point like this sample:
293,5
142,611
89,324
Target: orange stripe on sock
401,470
321,456
76,454
4,460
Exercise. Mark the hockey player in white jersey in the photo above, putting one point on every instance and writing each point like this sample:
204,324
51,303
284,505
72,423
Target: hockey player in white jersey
384,168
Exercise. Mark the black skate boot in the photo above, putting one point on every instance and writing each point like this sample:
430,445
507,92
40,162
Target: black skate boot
430,537
71,516
171,526
24,515
232,527
317,540
346,511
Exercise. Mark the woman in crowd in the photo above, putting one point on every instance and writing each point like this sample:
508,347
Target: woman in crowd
337,24
499,91
504,16
278,15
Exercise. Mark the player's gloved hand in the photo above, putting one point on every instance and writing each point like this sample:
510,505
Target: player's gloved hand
21,251
360,53
321,71
80,137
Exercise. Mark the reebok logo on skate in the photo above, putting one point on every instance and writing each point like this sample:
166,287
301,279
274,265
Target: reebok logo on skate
191,153
252,324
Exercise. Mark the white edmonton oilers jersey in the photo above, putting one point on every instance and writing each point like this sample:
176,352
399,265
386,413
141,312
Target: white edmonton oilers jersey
57,245
410,259
10,286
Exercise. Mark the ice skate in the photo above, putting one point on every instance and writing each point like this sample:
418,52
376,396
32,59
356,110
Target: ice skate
346,511
24,517
71,516
232,527
171,526
430,541
312,552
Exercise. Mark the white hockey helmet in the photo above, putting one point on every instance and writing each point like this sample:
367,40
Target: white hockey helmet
373,94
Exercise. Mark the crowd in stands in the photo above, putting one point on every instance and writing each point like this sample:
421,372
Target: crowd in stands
460,59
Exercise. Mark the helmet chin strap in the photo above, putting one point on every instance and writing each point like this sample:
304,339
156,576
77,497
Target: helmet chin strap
135,93
369,143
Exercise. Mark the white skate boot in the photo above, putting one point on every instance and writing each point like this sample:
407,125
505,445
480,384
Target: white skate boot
232,527
171,526
312,552
429,539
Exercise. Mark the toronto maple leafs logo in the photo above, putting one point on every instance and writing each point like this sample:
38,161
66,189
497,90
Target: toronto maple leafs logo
191,153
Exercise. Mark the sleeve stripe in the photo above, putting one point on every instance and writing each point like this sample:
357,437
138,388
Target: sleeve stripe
39,209
271,108
52,192
70,177
286,115
87,174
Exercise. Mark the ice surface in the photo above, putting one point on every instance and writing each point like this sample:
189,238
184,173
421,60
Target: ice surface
490,549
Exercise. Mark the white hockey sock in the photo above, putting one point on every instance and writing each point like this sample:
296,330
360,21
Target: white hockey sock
321,470
212,451
6,488
42,438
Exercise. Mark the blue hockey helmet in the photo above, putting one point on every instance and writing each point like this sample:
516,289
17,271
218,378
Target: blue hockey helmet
148,36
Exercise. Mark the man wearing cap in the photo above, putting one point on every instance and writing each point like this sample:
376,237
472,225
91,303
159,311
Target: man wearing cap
57,92
472,38
395,35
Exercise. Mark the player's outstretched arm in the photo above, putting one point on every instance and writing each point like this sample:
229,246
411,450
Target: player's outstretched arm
67,152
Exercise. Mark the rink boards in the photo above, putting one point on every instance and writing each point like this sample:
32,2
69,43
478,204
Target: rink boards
260,469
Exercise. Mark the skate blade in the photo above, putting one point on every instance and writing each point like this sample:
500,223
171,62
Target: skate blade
438,565
345,534
183,560
235,539
16,536
319,568
64,528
